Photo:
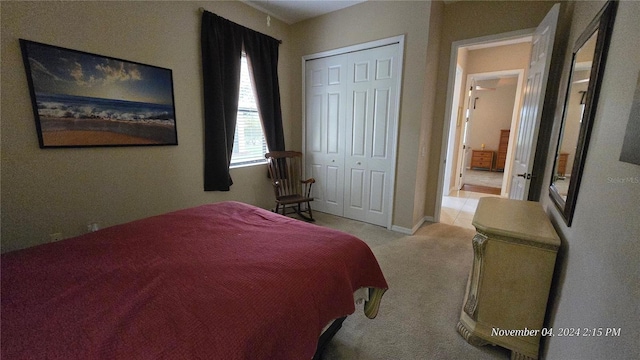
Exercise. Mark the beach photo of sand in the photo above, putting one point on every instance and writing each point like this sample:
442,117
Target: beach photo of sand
82,99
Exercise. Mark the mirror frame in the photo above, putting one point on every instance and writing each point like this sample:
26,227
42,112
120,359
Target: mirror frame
603,23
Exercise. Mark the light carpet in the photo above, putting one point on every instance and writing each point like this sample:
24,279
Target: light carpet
483,178
427,275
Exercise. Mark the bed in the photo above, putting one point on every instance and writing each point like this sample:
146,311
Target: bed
218,281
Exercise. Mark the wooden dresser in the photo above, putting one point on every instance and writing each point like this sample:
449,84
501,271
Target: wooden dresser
501,157
562,164
482,159
515,251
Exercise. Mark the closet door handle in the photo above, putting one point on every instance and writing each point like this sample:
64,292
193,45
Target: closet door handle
358,163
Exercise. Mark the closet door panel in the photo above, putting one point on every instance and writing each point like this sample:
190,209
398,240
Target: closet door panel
378,191
333,122
317,172
381,124
314,128
357,184
357,135
325,84
333,187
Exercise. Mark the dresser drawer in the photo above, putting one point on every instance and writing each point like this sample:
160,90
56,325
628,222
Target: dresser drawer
482,156
482,159
482,163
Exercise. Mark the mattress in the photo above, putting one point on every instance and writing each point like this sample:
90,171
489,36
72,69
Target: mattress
225,280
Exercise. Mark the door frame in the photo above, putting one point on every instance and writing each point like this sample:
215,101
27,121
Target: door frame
463,151
394,141
453,62
453,123
515,119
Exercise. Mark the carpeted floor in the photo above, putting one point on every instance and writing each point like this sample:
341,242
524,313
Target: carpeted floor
483,178
427,275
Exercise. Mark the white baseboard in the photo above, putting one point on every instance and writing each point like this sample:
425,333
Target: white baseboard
415,228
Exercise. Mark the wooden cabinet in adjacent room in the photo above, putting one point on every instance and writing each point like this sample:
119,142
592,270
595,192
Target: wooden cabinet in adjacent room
562,164
501,158
482,159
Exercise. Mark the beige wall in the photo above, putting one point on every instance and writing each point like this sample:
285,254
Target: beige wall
506,57
373,20
428,110
596,282
494,111
61,190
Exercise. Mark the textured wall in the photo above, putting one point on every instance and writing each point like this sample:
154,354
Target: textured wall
48,191
597,273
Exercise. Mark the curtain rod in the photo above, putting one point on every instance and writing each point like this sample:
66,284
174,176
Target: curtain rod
202,10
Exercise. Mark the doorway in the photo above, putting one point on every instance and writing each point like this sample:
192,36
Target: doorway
493,108
481,132
521,153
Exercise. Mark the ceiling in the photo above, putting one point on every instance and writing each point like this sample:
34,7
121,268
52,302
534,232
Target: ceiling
293,11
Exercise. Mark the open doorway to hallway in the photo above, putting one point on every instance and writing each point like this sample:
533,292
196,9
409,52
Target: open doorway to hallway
459,207
493,106
485,113
537,53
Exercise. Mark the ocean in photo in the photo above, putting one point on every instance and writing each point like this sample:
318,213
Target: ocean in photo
80,107
77,113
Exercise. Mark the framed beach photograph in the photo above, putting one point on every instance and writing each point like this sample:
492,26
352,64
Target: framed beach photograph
85,100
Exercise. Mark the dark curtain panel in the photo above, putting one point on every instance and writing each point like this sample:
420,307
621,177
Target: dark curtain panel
262,55
222,43
221,53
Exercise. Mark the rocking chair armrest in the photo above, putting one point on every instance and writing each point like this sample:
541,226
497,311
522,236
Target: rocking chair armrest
307,186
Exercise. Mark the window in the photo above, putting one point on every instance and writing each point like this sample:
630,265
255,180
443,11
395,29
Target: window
249,144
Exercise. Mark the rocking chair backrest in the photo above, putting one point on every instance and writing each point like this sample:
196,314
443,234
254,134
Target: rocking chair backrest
285,170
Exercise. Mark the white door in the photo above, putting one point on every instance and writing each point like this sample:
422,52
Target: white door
350,134
453,121
325,84
465,149
542,47
371,122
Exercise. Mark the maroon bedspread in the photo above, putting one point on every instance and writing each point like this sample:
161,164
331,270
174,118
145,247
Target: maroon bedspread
220,281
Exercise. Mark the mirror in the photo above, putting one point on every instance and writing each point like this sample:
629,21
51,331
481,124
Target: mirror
574,108
581,99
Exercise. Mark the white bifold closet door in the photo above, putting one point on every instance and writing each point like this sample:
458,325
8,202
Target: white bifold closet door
350,132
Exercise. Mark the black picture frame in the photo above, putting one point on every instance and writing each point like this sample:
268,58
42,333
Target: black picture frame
603,25
630,152
82,99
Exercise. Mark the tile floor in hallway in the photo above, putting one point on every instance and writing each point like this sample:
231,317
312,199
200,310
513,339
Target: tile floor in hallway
459,207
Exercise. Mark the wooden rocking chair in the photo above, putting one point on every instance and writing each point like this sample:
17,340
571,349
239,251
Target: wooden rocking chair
285,170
